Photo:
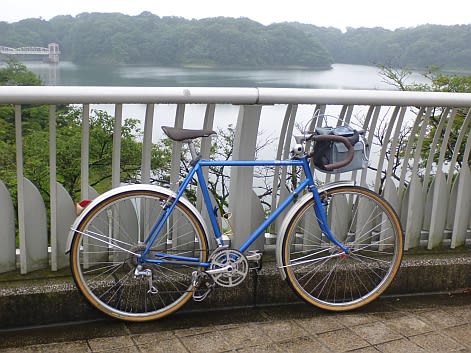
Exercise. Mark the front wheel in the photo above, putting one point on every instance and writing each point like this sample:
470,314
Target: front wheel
320,273
107,246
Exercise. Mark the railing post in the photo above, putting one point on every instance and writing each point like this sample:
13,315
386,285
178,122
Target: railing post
53,188
283,153
147,144
240,197
116,154
177,149
84,153
20,192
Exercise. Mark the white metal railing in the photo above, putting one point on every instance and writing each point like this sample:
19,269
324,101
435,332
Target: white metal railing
431,193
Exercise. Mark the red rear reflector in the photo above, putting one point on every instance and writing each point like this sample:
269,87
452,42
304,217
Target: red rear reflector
81,205
84,203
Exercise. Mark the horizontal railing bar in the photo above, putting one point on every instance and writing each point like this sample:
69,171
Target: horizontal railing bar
228,95
125,95
363,97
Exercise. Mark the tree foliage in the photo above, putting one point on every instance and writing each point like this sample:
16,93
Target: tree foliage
438,82
418,47
113,38
35,132
16,74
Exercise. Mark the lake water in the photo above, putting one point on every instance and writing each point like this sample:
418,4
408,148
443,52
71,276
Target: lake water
341,76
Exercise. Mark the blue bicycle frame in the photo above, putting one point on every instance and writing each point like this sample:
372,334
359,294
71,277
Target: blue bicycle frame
308,183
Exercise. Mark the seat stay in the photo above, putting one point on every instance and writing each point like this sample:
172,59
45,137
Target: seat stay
168,209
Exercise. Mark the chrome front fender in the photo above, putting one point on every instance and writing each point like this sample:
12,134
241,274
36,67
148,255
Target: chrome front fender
291,213
126,188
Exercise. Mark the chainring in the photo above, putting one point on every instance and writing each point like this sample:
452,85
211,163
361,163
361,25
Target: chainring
239,267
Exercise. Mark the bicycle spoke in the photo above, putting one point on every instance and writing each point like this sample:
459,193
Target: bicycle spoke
107,262
330,278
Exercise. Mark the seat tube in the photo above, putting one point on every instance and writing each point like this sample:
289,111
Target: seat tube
209,206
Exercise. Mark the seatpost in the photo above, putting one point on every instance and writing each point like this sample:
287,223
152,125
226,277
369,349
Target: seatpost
194,155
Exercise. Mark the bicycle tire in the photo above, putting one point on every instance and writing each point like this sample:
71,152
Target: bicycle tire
317,270
105,274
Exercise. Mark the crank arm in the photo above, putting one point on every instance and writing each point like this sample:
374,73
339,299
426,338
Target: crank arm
216,271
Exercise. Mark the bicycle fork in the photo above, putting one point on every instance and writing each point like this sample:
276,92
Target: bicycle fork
319,210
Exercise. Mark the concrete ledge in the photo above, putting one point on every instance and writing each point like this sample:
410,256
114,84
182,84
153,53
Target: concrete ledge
30,302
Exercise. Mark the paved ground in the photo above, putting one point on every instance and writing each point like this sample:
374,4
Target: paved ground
405,324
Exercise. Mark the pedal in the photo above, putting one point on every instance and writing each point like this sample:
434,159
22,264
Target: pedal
254,257
203,284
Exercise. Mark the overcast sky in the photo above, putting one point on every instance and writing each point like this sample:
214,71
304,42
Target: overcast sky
337,13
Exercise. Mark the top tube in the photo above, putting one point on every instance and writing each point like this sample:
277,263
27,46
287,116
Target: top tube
248,163
306,183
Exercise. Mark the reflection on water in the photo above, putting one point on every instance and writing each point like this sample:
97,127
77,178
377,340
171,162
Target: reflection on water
341,76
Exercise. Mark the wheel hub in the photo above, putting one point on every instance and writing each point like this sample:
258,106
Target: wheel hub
133,259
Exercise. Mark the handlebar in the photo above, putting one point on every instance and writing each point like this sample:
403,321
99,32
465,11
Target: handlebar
347,141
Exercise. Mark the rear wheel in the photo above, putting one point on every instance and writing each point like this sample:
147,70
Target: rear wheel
318,271
107,245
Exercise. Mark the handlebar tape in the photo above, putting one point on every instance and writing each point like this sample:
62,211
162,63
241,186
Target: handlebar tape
349,142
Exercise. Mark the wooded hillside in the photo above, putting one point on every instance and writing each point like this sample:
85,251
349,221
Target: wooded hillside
173,41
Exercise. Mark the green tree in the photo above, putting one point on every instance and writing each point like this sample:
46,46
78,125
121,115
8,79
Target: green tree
439,82
455,84
35,129
149,39
100,154
14,73
17,74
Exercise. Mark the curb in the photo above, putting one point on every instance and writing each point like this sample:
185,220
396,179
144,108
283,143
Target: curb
51,301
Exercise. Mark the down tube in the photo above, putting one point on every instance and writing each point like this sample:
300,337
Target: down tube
274,215
246,163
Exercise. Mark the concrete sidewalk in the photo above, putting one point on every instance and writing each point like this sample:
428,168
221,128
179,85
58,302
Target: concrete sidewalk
432,323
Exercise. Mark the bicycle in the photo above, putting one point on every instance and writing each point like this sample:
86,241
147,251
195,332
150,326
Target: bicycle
140,252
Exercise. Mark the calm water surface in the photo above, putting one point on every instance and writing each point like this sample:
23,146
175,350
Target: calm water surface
341,76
